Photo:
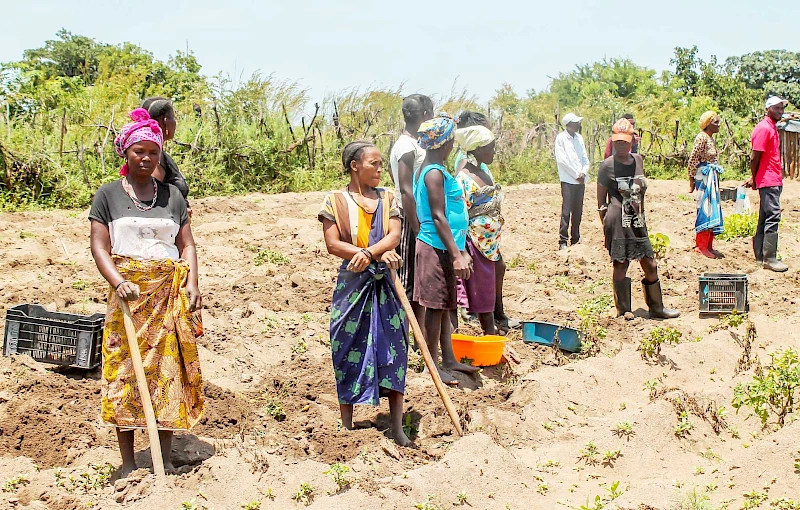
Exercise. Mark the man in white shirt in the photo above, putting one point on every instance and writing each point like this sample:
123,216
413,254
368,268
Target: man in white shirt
405,160
573,171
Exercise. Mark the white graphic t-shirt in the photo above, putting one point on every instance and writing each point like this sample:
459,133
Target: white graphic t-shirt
144,235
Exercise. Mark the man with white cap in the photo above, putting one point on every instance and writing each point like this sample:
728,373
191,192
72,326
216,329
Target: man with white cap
573,171
765,165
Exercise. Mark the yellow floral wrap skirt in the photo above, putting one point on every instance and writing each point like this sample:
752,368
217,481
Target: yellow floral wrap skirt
167,333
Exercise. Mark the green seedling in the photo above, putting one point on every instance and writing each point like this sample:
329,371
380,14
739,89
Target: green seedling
684,426
266,255
711,486
710,455
253,505
652,387
753,499
589,454
785,504
428,504
660,243
611,456
12,484
409,428
623,428
300,347
597,504
614,491
79,285
650,346
305,494
596,306
338,472
515,262
562,283
543,488
189,505
461,498
275,409
98,477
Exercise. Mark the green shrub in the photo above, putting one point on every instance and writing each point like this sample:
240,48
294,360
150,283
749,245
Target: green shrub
774,390
739,225
660,243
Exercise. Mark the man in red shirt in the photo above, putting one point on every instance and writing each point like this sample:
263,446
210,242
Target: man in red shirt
765,165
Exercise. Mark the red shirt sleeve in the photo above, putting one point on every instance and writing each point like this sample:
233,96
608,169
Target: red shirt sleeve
609,145
760,138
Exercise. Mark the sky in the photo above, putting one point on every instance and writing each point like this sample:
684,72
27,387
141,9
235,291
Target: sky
427,47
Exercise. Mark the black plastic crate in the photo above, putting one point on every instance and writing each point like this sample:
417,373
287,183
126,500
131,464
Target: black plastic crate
727,194
723,293
54,337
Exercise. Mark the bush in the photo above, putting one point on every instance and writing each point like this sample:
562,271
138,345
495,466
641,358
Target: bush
774,390
739,225
660,243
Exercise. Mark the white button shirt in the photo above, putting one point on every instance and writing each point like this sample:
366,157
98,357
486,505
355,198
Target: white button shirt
571,158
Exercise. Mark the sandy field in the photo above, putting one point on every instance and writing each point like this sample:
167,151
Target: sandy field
271,421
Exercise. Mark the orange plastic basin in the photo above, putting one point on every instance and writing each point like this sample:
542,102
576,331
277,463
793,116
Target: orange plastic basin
484,351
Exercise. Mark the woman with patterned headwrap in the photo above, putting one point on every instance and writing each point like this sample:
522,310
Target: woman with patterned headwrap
484,199
143,246
704,173
441,242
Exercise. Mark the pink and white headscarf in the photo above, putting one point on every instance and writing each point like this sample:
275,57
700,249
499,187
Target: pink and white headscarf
142,129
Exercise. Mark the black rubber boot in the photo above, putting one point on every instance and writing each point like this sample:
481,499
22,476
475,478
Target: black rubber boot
622,296
655,301
758,247
771,261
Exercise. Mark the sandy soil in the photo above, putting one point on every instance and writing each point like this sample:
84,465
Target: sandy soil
525,424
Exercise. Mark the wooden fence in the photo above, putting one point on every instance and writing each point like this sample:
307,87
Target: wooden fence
790,153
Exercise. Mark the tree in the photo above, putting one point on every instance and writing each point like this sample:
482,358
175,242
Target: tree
617,77
773,72
506,100
687,69
69,56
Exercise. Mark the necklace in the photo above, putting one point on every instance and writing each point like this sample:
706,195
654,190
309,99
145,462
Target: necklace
357,202
136,202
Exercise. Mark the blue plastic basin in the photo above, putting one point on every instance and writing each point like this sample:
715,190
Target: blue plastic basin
545,333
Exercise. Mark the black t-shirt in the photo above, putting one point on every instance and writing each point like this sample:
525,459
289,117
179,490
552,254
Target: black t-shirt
172,175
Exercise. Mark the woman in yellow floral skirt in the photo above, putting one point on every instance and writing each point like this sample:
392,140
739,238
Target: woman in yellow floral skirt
143,246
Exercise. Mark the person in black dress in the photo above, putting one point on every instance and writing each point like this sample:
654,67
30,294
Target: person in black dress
162,111
621,187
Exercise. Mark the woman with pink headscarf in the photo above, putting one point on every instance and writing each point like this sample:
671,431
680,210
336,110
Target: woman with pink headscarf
143,246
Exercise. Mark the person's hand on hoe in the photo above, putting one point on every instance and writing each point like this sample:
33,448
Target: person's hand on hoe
391,259
748,183
127,291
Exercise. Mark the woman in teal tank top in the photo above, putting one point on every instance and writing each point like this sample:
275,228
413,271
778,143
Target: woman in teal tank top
440,255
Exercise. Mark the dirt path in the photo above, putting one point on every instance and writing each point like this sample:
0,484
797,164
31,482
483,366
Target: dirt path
266,355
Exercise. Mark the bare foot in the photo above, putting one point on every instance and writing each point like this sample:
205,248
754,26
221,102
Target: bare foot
169,468
446,377
460,367
401,438
127,469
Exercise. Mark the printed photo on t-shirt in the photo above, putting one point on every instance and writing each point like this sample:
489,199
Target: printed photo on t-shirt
631,190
